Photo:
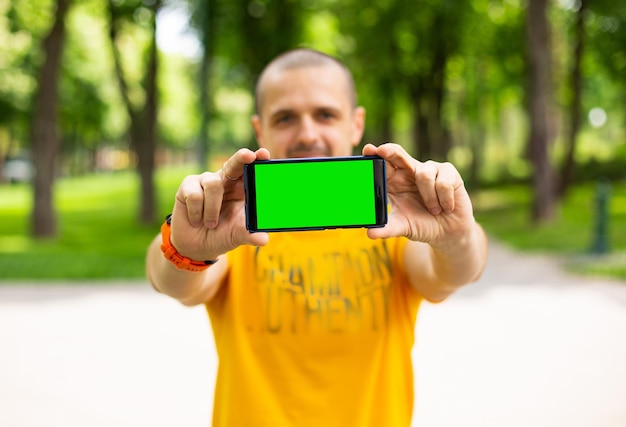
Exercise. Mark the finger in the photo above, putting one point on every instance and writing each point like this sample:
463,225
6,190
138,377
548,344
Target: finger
262,154
369,150
426,182
396,155
213,192
448,181
190,198
396,158
232,169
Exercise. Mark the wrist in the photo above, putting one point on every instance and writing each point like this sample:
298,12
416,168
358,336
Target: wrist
455,241
171,254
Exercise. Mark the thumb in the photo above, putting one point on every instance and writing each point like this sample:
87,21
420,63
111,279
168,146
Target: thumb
391,229
244,237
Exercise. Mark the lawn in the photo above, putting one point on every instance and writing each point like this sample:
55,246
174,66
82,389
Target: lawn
100,238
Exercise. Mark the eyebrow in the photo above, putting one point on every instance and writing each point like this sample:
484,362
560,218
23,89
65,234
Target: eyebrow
316,109
280,112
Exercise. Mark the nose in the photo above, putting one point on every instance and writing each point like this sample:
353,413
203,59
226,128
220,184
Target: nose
308,133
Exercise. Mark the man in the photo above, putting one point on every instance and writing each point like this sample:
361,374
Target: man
316,328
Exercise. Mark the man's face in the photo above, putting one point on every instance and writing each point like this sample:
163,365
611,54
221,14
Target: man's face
306,112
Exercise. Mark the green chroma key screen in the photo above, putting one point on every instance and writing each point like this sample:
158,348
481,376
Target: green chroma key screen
315,194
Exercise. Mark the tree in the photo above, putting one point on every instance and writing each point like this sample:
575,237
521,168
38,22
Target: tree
608,38
374,62
575,107
204,20
427,86
266,29
539,103
207,15
409,63
142,113
45,140
483,82
87,89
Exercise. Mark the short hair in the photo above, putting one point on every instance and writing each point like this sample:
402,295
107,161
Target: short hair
302,58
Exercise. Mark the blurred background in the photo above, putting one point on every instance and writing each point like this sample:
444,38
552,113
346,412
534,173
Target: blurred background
106,105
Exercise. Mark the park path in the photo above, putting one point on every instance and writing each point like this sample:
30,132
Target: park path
525,346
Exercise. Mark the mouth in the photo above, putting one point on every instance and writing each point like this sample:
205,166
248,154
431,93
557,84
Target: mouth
308,153
306,156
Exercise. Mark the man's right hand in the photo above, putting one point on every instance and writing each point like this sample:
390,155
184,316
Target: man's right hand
208,217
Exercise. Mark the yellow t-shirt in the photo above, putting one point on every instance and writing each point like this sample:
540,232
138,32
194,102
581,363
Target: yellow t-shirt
315,329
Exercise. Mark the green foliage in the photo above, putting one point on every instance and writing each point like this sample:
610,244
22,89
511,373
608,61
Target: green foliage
100,237
178,116
389,44
90,107
17,58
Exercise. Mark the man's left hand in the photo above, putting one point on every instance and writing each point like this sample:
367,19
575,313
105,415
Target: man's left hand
429,202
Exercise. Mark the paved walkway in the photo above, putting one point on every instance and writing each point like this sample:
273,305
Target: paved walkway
526,346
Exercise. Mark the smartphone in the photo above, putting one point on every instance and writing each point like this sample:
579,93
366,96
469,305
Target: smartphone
315,193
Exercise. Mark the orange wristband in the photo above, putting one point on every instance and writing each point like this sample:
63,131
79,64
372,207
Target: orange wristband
172,255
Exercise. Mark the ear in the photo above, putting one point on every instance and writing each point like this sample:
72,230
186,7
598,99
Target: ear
256,125
358,125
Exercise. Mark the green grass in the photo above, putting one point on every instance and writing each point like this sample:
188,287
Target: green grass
99,235
100,238
505,214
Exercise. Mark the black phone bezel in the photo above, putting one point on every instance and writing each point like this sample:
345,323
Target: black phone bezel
380,193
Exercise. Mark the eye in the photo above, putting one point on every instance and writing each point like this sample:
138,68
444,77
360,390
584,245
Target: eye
283,118
326,115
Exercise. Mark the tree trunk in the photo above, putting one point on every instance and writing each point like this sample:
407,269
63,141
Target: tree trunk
384,112
44,137
476,140
476,132
569,164
421,137
145,147
439,134
431,137
386,125
143,119
207,10
540,93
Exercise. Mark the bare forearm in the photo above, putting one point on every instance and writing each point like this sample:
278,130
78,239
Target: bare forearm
190,288
437,271
458,263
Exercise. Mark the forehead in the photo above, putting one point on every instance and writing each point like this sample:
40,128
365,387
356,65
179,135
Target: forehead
319,86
